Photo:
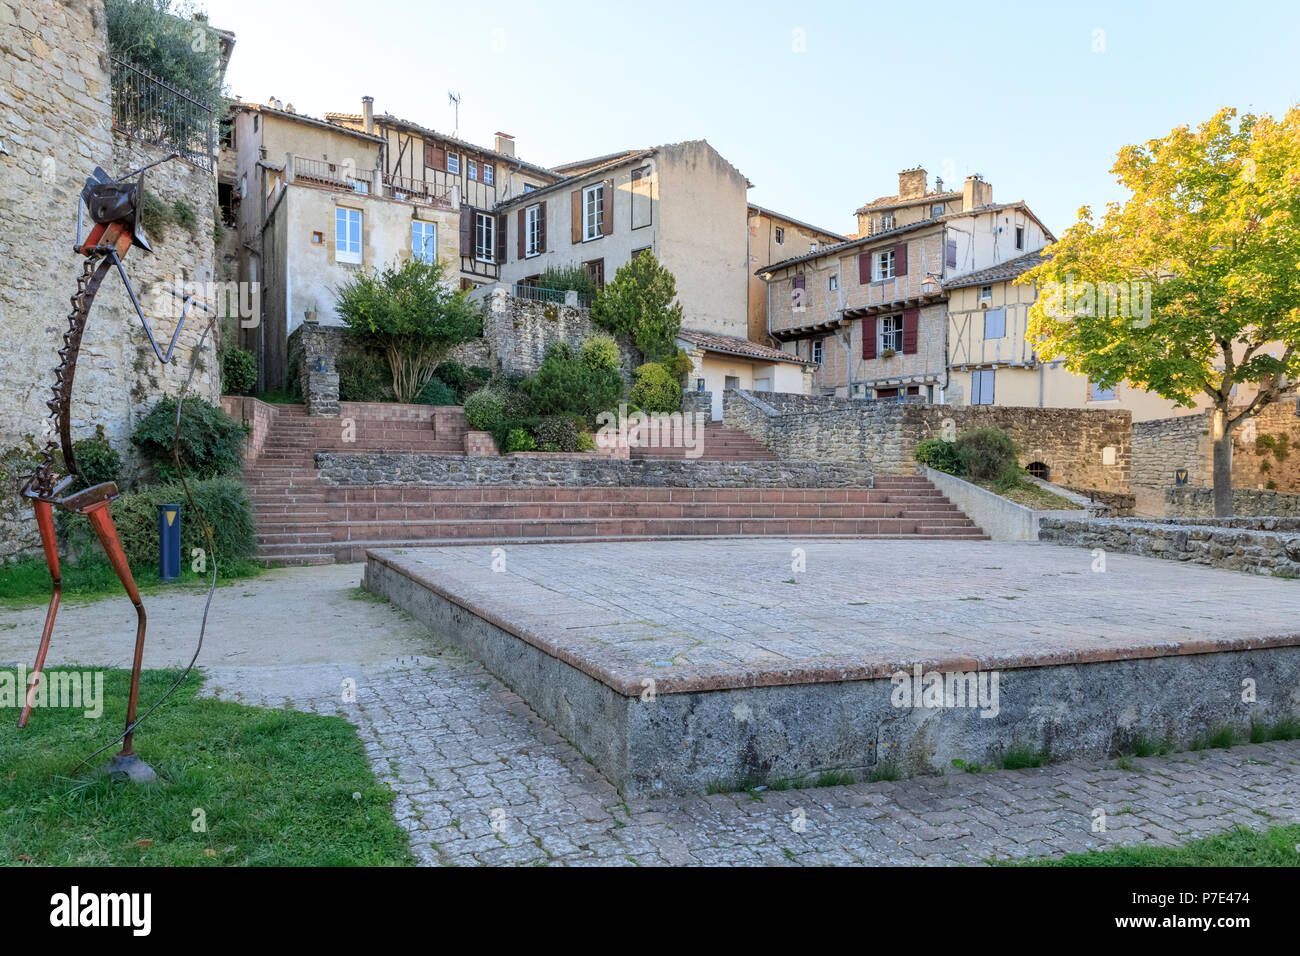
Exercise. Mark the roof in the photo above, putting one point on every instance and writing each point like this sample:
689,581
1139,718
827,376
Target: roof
532,194
773,214
1002,272
309,120
344,119
886,202
734,345
587,165
903,230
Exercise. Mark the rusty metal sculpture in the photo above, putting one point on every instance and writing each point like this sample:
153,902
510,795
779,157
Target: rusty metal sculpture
114,207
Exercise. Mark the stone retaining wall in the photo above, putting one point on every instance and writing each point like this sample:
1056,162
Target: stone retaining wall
1260,546
591,471
1246,503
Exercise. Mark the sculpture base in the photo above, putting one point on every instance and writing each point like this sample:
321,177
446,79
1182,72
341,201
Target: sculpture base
129,767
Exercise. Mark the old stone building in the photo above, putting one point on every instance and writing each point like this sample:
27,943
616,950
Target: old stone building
774,236
58,76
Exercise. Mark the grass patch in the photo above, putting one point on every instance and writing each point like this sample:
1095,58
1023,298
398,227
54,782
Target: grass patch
1030,495
276,787
885,770
1021,757
26,582
1221,739
1288,728
835,778
1238,847
279,396
1151,747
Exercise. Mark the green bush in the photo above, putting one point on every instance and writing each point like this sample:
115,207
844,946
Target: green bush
211,442
519,440
364,376
987,454
485,411
656,390
462,380
575,278
160,36
586,442
437,392
238,371
96,460
223,502
566,384
559,433
601,352
940,455
640,303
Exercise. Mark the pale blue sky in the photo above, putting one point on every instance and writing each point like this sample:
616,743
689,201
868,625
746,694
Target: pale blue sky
1013,91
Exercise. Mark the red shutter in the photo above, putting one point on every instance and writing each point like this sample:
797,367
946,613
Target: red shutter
864,268
911,319
467,231
869,337
435,156
523,228
798,282
900,259
607,220
575,219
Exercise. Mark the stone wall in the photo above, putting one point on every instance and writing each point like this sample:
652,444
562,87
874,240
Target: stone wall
1260,546
316,349
592,471
1246,502
57,129
1072,442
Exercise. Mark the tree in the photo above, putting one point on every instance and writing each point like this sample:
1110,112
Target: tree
409,313
640,304
1190,287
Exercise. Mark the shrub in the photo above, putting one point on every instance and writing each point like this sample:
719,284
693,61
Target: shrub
485,410
560,431
364,376
565,384
656,390
211,442
223,502
586,442
519,440
437,392
987,454
96,460
601,352
940,455
407,312
575,278
238,371
461,379
640,303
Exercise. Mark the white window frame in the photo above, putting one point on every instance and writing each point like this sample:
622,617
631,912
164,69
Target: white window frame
453,163
819,351
347,248
485,237
885,265
886,221
780,235
1020,237
986,293
489,174
471,169
593,212
891,331
424,240
936,210
833,283
533,231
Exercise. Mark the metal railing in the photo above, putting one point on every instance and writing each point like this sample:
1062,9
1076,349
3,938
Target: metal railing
150,109
343,176
538,294
412,190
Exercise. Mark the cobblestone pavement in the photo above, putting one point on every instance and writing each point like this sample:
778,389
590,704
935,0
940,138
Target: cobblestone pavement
480,779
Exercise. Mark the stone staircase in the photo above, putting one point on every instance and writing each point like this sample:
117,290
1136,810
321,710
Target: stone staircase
719,444
301,521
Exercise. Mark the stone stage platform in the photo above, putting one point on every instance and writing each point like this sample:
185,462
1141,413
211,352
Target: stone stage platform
680,666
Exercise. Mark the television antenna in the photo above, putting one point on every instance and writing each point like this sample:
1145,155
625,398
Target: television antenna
454,100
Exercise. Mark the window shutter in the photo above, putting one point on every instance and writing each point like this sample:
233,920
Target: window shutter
911,319
607,193
523,229
541,226
869,337
435,156
952,254
900,259
575,222
500,256
864,268
467,231
798,282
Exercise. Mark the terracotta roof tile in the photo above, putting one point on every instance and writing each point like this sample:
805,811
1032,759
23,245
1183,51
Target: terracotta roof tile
734,345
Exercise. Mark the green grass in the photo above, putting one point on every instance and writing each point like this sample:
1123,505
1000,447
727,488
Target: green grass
1239,847
1019,757
26,582
1030,495
277,787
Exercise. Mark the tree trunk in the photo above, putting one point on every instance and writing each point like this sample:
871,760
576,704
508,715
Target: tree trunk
1222,439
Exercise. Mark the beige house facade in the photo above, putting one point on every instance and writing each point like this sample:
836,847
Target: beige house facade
774,236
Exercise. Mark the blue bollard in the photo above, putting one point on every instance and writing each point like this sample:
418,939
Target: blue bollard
169,542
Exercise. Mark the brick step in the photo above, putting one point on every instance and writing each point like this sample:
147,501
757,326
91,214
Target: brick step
533,511
470,494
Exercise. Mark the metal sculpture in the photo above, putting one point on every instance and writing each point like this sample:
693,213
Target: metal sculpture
114,207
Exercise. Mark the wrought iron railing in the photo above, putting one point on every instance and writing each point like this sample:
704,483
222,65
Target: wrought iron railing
150,109
416,190
344,176
538,294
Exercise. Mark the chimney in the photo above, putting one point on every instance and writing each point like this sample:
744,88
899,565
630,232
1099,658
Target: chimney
976,192
911,183
368,114
505,143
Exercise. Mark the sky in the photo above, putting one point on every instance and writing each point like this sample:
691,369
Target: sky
818,104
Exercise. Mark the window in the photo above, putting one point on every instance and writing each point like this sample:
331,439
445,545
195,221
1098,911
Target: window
453,162
1020,237
529,187
731,381
981,386
347,235
986,293
818,351
1100,394
812,247
936,210
637,252
780,236
471,169
596,269
995,323
489,174
485,234
885,265
593,212
833,283
424,241
533,231
891,333
887,221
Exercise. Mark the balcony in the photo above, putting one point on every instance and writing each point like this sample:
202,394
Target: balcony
343,177
427,192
